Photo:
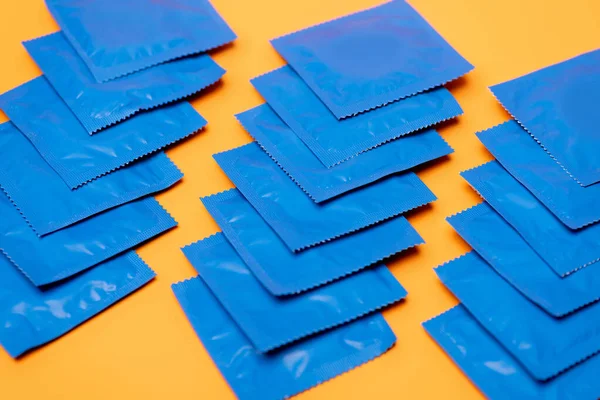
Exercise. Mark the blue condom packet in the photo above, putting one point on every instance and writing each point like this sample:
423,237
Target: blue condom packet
98,105
260,314
509,254
321,183
299,221
128,36
283,272
371,58
31,317
545,345
49,205
39,112
78,247
565,250
576,206
334,141
558,107
496,372
290,370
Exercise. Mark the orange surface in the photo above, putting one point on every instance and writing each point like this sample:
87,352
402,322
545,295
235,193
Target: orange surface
143,348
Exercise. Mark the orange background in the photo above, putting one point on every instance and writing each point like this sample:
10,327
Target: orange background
143,348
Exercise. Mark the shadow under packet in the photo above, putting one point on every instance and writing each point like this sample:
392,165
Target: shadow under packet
322,183
300,222
566,251
31,317
576,206
47,203
45,119
136,34
545,345
289,370
271,322
508,253
371,58
99,105
496,372
283,272
558,106
78,247
336,141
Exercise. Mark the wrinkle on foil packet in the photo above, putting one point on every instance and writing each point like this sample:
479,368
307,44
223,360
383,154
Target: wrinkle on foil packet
123,37
371,58
509,254
31,317
496,372
336,141
558,105
47,203
545,345
290,370
565,250
576,206
299,221
78,247
98,105
283,272
41,115
322,183
260,314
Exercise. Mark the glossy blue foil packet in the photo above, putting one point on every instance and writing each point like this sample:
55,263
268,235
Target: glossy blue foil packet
565,250
334,141
321,183
545,345
48,204
78,247
98,105
576,206
299,221
558,107
509,254
371,58
123,37
31,317
283,272
39,112
496,372
290,370
260,314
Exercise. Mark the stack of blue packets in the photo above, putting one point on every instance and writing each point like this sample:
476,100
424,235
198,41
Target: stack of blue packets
528,326
82,155
291,288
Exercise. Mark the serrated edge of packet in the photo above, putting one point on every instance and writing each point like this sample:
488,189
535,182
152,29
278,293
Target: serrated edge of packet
348,360
439,314
423,190
163,226
128,114
331,164
560,214
536,139
545,376
280,291
566,274
163,185
163,147
325,328
562,314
